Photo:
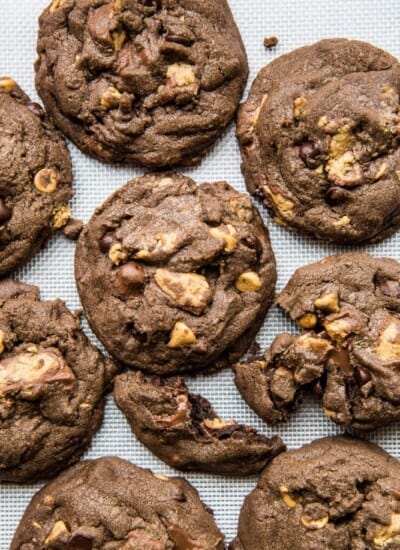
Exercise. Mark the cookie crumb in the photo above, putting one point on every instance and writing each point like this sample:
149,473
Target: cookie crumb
73,229
270,41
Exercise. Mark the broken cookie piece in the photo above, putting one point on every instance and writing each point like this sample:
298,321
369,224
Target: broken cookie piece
349,356
185,432
52,385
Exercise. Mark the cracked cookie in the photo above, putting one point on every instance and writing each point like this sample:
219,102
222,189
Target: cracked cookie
319,137
52,385
175,276
337,493
109,504
35,177
153,82
184,431
349,354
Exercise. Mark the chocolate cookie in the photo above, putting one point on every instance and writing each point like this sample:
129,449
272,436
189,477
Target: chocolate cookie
319,139
174,276
148,81
337,493
350,353
35,177
185,432
52,385
109,503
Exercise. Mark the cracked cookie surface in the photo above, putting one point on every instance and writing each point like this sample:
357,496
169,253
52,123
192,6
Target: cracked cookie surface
185,432
175,276
110,504
319,136
52,385
35,177
336,493
349,354
154,82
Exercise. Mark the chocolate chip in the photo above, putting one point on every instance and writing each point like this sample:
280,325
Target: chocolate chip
362,376
5,212
341,358
36,109
251,241
309,153
79,542
129,279
336,195
106,241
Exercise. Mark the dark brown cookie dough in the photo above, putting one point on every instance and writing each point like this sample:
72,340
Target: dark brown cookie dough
185,432
110,504
52,385
337,493
350,353
35,177
148,81
175,276
319,140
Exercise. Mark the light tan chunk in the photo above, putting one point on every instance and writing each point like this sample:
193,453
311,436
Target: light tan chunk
308,320
117,254
342,222
314,524
287,499
1,342
181,74
226,233
33,368
388,346
248,282
257,112
110,98
298,105
181,335
61,216
381,171
165,242
55,5
162,477
338,329
7,84
385,535
328,301
282,204
341,142
58,533
314,343
217,423
46,180
188,290
118,38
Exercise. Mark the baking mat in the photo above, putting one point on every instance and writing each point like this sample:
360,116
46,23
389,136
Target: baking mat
295,23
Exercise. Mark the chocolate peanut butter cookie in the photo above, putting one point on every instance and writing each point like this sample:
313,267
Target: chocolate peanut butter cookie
110,504
337,493
35,177
183,429
52,385
175,276
349,353
148,81
319,136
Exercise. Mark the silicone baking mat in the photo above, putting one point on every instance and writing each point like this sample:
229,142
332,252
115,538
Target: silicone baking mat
295,23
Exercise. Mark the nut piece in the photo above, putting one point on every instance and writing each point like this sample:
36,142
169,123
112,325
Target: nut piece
117,254
55,5
181,414
217,424
46,180
308,320
388,346
181,336
384,535
339,326
188,290
288,500
282,204
159,246
110,98
342,222
162,476
314,523
226,233
61,216
381,171
59,533
118,38
180,74
248,282
26,370
328,302
7,84
298,105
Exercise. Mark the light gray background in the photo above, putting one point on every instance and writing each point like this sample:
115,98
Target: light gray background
295,23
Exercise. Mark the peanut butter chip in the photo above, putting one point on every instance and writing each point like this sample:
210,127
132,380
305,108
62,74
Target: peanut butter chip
7,84
328,302
386,534
314,524
226,233
118,38
61,216
388,346
181,336
117,254
282,204
287,499
187,290
308,320
217,423
248,282
298,105
110,98
46,180
181,74
58,534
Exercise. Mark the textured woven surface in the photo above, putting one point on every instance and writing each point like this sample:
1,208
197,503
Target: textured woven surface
295,24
